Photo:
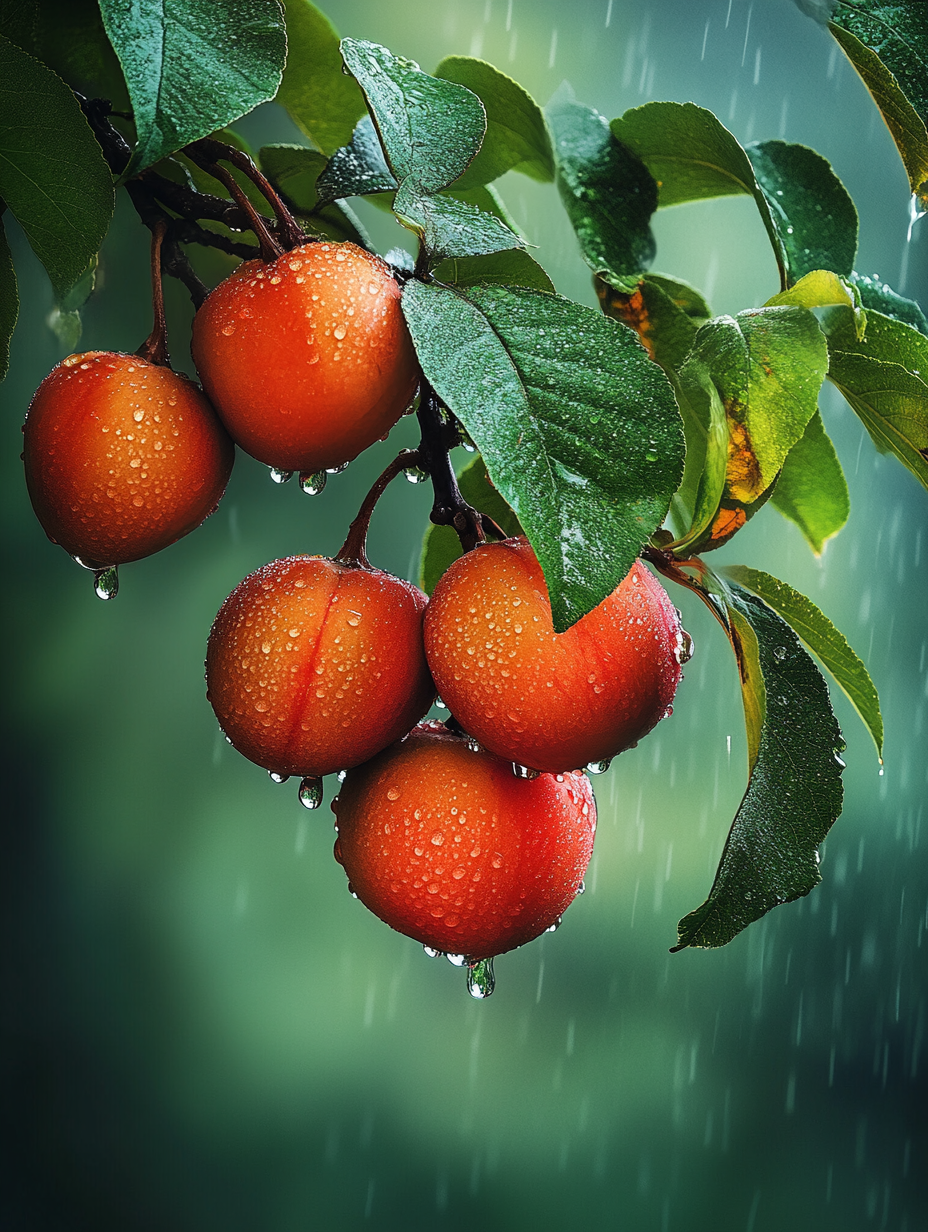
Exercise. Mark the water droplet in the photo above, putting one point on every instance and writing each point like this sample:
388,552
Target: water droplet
336,470
353,619
311,792
779,653
840,760
552,928
312,482
523,772
341,775
439,704
430,953
415,474
598,767
480,978
352,891
473,745
581,888
651,455
106,582
280,476
456,960
685,647
277,778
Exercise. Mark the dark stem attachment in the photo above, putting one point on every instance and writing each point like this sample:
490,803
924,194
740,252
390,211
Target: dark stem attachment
289,230
439,436
354,549
270,248
155,346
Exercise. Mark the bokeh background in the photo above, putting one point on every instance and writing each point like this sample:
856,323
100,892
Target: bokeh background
203,1029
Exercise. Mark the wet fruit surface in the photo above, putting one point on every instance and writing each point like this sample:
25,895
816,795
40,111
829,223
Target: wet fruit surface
122,457
550,701
307,359
313,666
447,846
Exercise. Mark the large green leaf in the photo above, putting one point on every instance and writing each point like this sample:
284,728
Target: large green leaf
441,545
452,228
794,792
9,302
517,137
823,289
320,99
53,175
884,378
812,490
514,268
888,46
553,393
193,66
68,37
822,638
358,168
815,218
874,293
767,365
430,129
608,193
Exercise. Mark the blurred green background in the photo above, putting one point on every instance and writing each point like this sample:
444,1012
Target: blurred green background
203,1029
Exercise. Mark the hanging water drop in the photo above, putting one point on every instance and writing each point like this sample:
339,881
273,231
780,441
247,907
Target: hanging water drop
430,953
106,582
840,760
456,960
352,891
312,482
480,978
552,928
415,474
524,772
473,745
439,704
311,792
277,778
581,888
683,650
336,470
280,476
598,767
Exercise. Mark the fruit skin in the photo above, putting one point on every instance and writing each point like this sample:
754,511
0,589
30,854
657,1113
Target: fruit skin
123,457
313,666
549,701
446,845
308,359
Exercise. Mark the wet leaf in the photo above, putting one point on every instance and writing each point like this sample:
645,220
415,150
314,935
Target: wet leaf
517,138
874,293
686,297
822,638
823,289
884,378
441,545
665,329
712,476
321,100
888,46
358,168
513,268
552,392
294,171
452,228
794,791
811,490
53,176
193,66
9,303
607,191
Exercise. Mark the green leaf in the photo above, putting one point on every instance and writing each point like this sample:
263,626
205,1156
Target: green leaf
664,328
794,793
441,545
888,46
9,303
430,129
815,218
513,268
767,365
812,490
320,99
485,198
358,168
879,295
53,175
552,393
712,476
884,379
517,137
294,171
607,191
450,228
822,638
193,66
686,297
823,289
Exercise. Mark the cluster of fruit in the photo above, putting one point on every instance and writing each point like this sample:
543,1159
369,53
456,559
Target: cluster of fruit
473,836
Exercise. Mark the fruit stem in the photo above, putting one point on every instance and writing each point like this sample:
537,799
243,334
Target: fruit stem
270,248
289,230
354,549
155,347
439,436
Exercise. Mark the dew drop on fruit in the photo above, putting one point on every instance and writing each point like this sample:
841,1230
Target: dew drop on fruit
439,704
473,745
280,476
523,772
352,891
312,482
311,792
277,778
456,960
106,582
430,953
598,767
480,978
581,888
337,470
552,928
683,650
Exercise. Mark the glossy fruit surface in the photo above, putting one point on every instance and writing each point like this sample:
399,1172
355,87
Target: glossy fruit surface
549,701
313,666
446,845
123,457
307,359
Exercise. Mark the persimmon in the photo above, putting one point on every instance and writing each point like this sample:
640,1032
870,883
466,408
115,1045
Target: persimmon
122,457
446,845
307,358
314,665
550,701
